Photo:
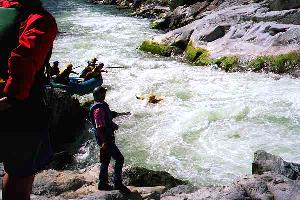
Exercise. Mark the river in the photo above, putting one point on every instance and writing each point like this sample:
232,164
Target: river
209,123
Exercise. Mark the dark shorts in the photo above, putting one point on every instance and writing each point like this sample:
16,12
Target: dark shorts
24,140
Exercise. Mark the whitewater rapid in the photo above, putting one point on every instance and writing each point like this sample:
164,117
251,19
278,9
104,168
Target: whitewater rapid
209,123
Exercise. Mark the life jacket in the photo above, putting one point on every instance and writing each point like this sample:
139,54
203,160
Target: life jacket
10,21
108,131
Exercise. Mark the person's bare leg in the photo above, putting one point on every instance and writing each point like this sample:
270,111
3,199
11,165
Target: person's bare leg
17,187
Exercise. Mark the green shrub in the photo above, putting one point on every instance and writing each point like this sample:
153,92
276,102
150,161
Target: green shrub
155,48
259,63
198,56
227,63
283,63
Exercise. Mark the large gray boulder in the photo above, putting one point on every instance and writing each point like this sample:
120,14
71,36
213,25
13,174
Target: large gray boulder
138,176
53,183
265,162
175,3
67,118
245,31
283,4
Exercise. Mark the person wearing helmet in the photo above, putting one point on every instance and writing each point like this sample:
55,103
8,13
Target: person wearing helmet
104,128
24,145
64,77
89,68
95,73
54,69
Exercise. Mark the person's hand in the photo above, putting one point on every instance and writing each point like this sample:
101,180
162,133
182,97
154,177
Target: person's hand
115,126
4,105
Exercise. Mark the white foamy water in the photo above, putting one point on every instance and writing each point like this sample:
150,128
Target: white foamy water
209,124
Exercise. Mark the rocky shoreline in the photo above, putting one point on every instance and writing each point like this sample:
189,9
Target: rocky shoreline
230,35
272,178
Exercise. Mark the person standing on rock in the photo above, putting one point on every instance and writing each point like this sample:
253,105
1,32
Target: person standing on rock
24,144
101,117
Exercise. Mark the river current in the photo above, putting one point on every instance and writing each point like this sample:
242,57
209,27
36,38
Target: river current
209,123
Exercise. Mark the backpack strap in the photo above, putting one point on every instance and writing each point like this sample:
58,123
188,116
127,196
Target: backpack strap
9,26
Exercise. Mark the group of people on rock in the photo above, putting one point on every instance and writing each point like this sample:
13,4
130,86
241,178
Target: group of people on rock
25,147
92,70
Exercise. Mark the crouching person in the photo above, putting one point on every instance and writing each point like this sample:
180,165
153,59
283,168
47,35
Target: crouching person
101,117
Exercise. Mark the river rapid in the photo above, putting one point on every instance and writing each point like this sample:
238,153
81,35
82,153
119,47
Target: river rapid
209,123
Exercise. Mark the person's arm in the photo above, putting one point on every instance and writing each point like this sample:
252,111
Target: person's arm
115,127
35,41
117,114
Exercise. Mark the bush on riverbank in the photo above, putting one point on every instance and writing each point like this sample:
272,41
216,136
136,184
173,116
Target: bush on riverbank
155,48
197,56
227,63
279,64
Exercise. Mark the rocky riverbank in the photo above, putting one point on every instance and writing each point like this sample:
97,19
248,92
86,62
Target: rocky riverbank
272,178
231,35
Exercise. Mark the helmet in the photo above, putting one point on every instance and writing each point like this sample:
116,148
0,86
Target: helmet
69,66
55,62
99,92
101,65
94,59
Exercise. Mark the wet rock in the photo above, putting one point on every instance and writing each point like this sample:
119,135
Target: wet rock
184,15
214,33
180,189
270,186
151,11
283,5
175,3
116,195
67,120
142,177
283,17
264,162
54,183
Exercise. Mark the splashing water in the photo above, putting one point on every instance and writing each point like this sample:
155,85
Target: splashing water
208,125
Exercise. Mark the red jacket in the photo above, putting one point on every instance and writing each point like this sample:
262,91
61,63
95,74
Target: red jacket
36,37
